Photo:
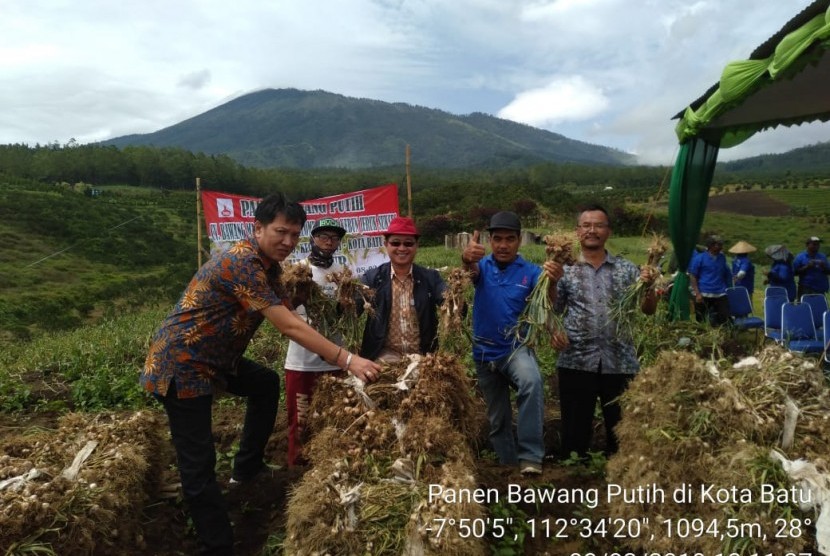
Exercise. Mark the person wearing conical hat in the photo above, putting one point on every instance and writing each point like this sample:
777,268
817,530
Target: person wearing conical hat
743,271
781,272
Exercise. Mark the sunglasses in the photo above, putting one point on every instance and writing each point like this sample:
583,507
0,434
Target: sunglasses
398,243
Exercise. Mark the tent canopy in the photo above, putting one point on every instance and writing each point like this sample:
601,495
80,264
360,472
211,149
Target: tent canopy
785,81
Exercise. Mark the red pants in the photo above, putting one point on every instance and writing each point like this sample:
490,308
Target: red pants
299,385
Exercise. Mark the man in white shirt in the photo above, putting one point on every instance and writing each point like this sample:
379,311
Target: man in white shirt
303,368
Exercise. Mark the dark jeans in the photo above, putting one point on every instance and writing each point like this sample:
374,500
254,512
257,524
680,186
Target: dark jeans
578,393
190,427
715,310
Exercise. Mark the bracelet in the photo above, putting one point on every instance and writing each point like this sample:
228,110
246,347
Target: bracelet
337,357
348,362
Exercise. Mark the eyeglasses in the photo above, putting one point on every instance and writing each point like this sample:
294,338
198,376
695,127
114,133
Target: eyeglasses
327,237
398,243
586,226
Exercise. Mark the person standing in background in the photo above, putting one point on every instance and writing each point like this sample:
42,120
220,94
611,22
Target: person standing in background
743,271
303,368
781,271
709,277
812,269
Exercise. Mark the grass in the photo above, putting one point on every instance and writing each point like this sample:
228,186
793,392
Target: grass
810,201
69,259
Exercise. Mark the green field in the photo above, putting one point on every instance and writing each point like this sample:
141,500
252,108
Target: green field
812,201
69,258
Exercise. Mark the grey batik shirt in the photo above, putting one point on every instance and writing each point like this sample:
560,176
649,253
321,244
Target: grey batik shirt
588,294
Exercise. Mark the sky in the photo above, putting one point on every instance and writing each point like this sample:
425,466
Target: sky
608,72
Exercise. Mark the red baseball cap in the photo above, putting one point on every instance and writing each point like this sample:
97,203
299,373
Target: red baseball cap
401,226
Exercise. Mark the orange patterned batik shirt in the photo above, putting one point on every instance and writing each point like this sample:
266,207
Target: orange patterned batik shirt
203,338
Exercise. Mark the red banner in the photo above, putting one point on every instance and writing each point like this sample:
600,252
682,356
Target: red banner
230,218
364,214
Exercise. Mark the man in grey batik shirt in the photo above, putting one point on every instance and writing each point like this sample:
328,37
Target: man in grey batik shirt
595,359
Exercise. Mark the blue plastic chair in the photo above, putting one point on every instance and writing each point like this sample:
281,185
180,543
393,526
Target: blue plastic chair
775,291
797,329
818,303
740,309
772,317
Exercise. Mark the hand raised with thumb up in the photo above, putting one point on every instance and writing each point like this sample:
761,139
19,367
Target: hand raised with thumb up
474,251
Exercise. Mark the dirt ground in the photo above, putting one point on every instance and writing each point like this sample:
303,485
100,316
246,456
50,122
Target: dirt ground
749,203
258,510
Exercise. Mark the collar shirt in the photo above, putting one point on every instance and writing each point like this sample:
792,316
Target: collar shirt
815,275
587,294
713,276
403,337
500,297
203,338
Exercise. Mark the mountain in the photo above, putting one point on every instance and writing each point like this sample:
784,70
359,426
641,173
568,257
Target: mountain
812,158
314,129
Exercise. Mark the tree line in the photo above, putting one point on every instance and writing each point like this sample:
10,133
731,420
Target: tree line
455,198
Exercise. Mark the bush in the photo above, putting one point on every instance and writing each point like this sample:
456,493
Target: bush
435,228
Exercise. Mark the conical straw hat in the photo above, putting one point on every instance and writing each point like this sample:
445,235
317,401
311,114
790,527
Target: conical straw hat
777,252
741,248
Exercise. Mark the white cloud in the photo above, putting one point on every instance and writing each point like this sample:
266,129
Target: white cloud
195,80
563,99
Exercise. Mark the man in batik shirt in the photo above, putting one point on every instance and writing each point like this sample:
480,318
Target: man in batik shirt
597,358
406,301
198,350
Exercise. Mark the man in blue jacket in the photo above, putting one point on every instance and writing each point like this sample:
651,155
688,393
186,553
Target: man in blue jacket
812,269
407,297
503,282
709,276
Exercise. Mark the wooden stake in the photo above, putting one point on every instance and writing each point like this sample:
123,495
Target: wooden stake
199,221
408,184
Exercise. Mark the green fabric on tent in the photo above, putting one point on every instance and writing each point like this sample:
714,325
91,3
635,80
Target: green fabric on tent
737,78
688,196
795,43
741,79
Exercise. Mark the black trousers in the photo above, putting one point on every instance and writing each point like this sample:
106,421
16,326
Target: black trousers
190,426
715,310
578,393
